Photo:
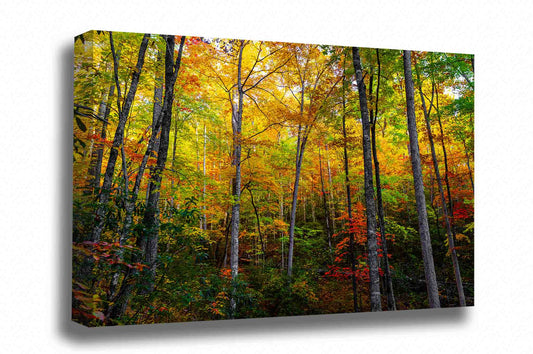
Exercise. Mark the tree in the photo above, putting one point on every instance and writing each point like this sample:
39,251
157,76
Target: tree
375,294
391,302
235,221
348,193
451,242
118,139
425,237
147,241
314,85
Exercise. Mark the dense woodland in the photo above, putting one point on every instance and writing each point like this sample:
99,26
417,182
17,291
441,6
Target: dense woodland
220,179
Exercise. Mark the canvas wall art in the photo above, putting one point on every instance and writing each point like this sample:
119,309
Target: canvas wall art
218,179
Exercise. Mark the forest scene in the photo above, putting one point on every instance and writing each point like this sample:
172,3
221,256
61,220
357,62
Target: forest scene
222,179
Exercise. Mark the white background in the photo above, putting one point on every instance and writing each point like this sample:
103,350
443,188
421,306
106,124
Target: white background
35,107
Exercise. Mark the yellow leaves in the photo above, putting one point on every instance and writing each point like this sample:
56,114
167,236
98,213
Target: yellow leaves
462,237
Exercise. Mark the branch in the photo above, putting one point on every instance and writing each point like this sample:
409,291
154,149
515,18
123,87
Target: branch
267,75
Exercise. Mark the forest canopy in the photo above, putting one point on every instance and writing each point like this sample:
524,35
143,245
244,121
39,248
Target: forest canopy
222,179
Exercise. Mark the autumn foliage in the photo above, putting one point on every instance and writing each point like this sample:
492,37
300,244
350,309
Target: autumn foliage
176,266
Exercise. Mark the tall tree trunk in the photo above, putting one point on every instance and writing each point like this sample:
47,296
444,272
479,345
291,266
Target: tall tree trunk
451,243
123,111
331,194
282,217
258,224
425,237
468,165
391,302
351,246
147,241
156,115
324,200
446,171
235,210
95,169
119,134
375,294
204,217
151,215
153,145
300,147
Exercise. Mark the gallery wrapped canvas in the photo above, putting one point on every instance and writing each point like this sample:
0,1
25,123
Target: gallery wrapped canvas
226,178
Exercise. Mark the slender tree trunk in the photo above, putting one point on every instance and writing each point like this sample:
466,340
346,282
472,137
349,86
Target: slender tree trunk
123,112
151,216
451,243
153,145
351,248
425,237
282,217
391,302
331,194
299,157
235,210
375,294
258,224
446,171
324,199
119,134
156,119
147,241
204,217
95,168
468,165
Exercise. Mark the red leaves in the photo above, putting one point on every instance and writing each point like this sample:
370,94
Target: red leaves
355,227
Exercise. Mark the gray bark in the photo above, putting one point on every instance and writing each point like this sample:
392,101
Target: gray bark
425,237
263,255
147,241
449,231
375,294
151,216
331,194
204,217
119,134
389,290
324,200
468,165
236,125
156,116
300,147
151,147
351,246
95,169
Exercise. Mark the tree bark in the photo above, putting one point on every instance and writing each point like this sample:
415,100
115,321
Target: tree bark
258,224
153,145
449,232
324,200
331,194
204,217
119,134
95,169
351,247
147,241
425,237
151,215
299,157
391,302
446,171
468,165
235,209
156,115
375,294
